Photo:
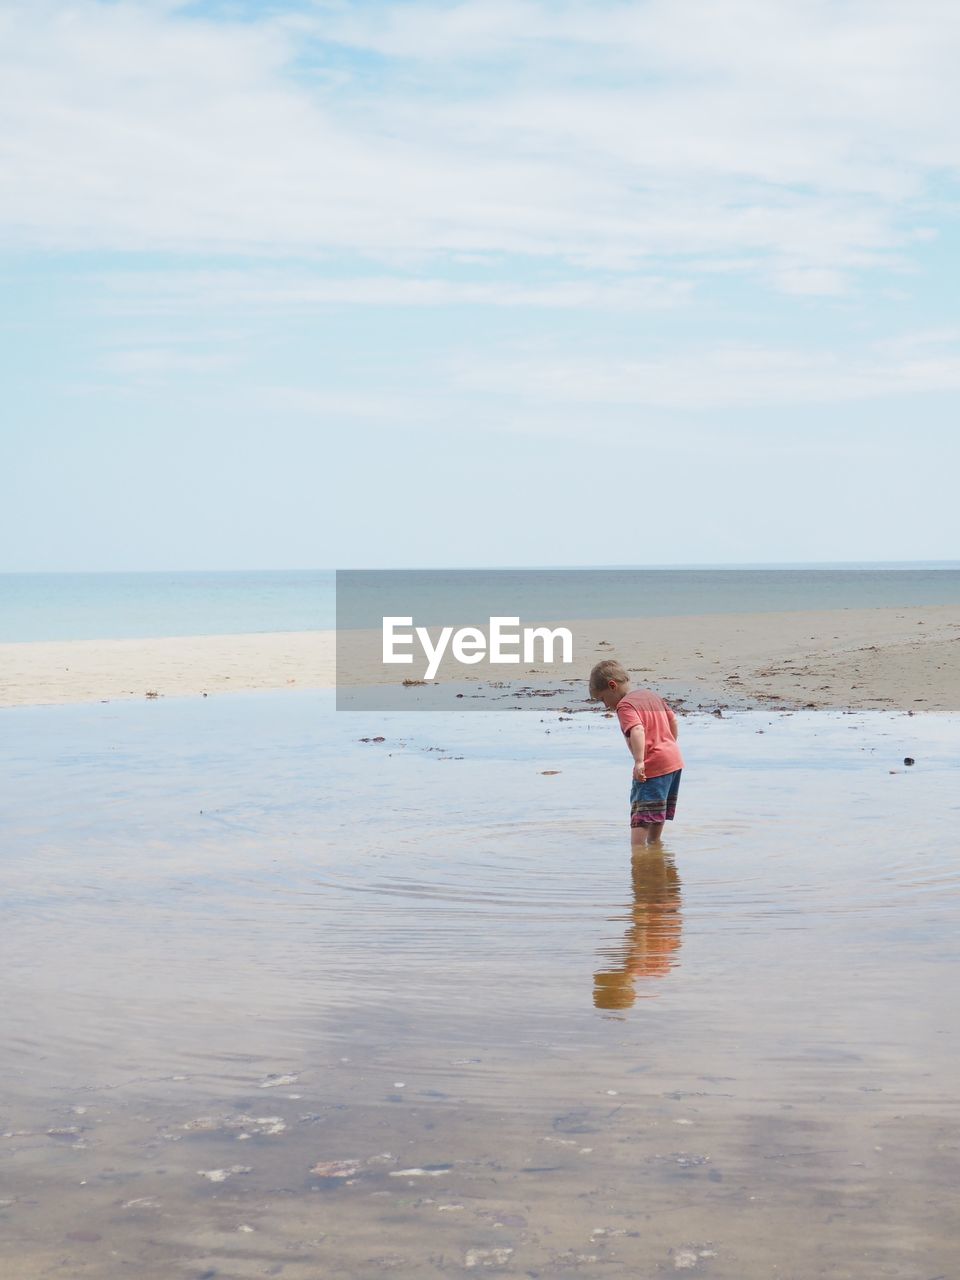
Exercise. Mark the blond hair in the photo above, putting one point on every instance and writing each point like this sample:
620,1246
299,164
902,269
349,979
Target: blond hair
603,673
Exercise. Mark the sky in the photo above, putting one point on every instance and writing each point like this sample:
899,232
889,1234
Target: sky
316,285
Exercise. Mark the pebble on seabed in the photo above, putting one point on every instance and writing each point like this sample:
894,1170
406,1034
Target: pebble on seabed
261,1125
486,1257
336,1168
684,1259
221,1175
276,1082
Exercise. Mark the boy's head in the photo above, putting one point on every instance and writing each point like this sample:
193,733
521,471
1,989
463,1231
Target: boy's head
608,682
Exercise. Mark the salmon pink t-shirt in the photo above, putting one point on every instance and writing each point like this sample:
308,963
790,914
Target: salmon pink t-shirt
660,753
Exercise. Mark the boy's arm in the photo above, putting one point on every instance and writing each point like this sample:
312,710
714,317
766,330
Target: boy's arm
636,743
674,728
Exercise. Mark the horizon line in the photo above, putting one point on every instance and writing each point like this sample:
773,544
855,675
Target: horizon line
521,568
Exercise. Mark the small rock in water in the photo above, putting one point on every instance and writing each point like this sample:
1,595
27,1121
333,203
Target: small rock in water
221,1175
203,1123
270,1124
277,1082
257,1124
336,1168
909,760
687,1258
486,1258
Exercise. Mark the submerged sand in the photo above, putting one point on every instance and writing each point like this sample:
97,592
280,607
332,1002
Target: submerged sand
281,1002
895,658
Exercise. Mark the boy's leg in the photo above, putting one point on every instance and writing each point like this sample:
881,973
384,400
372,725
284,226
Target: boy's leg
638,838
649,807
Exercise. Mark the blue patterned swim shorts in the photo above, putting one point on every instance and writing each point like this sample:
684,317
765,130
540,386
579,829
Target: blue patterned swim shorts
654,800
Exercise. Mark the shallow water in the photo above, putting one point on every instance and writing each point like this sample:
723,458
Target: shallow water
419,992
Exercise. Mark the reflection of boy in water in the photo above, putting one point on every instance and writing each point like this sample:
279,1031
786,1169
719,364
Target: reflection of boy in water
650,728
651,942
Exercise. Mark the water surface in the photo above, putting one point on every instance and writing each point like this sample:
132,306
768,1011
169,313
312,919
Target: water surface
279,1002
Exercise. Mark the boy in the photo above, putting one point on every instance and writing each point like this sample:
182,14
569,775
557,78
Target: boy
650,728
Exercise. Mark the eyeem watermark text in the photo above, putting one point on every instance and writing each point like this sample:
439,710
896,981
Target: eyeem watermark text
502,642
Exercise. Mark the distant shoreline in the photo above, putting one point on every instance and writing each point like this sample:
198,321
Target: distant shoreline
898,658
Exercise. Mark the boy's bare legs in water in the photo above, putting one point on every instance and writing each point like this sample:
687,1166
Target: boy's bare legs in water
640,837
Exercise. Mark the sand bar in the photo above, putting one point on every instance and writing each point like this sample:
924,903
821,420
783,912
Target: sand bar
906,658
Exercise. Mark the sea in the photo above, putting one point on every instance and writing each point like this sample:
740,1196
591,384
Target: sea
98,606
284,1000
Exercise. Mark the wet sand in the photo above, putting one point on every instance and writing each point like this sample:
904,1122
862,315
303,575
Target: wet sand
282,1002
906,658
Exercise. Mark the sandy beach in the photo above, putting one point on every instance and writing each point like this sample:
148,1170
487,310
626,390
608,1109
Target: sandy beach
893,658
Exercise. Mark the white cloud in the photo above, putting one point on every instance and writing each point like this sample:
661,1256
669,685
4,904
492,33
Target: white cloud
174,291
724,377
151,362
816,281
798,139
566,393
